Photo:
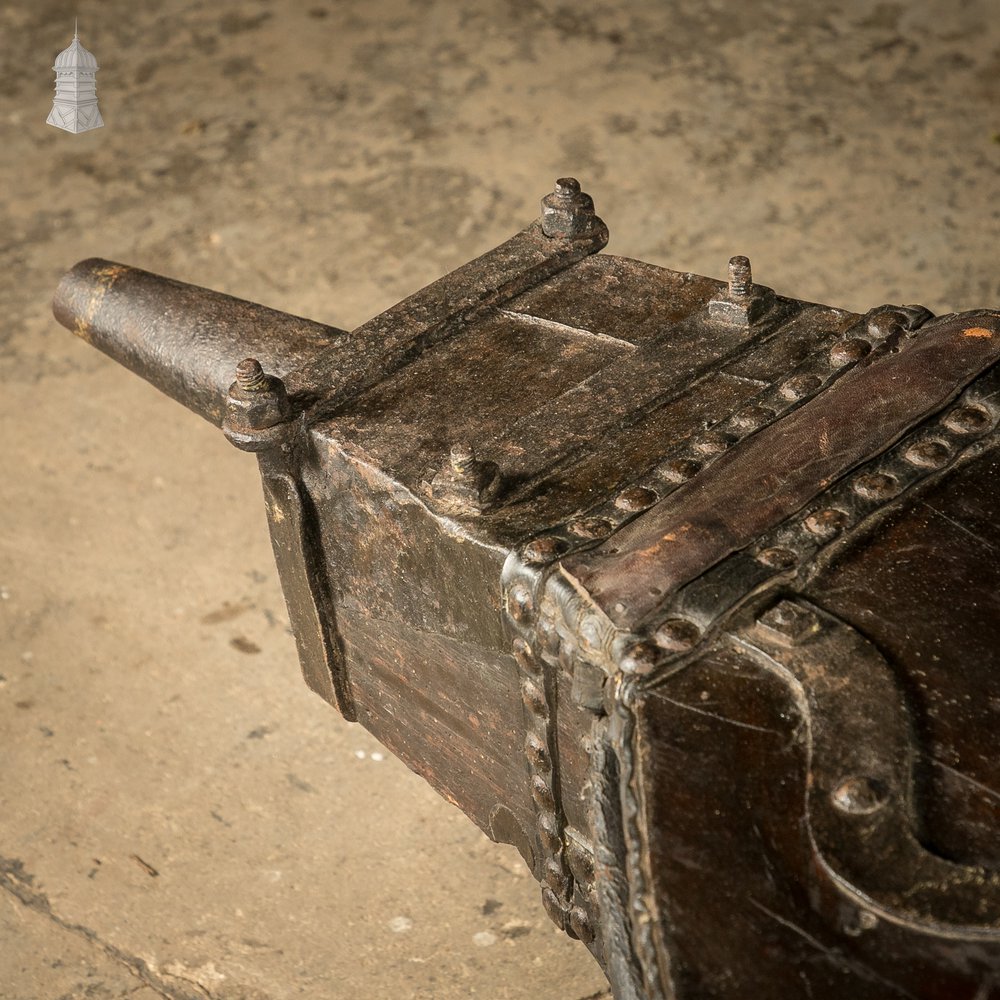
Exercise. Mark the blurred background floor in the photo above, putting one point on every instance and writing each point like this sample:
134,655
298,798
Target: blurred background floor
179,817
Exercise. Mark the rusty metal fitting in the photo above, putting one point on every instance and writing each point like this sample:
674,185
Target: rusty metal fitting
579,925
465,485
568,212
742,303
860,795
258,412
677,635
542,550
640,659
792,623
740,277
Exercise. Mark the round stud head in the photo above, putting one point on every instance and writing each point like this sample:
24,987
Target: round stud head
640,659
542,550
635,498
677,635
860,795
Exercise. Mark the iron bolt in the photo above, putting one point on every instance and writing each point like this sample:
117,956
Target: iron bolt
463,459
465,484
568,213
257,410
250,376
740,277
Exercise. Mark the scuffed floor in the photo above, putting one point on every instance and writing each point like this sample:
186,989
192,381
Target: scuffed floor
179,817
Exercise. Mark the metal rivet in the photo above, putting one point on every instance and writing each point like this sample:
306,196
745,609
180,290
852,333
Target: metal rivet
790,620
885,324
591,527
519,602
640,659
928,454
800,385
679,470
542,793
860,795
548,635
711,443
846,351
541,550
777,558
826,523
579,924
967,420
581,862
677,635
525,656
533,698
754,417
555,877
548,833
876,486
536,752
554,908
635,498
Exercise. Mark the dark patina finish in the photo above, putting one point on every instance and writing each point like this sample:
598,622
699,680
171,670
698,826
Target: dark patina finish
687,589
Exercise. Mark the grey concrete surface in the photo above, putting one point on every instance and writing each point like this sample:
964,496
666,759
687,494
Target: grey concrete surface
179,817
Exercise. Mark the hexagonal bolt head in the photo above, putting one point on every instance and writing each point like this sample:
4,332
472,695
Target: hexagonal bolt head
256,401
567,213
465,484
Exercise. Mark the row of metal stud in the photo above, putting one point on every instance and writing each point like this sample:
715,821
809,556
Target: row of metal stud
701,448
926,452
557,890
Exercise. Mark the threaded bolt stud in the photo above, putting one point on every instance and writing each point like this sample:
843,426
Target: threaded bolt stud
740,277
250,376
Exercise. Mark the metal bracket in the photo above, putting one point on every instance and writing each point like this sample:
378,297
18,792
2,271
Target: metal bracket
859,791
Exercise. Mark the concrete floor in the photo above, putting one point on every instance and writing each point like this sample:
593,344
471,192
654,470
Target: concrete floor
179,817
